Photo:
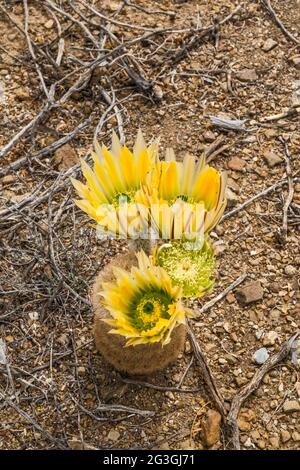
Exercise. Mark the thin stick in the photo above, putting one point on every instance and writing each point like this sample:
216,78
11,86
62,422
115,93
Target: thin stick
46,150
293,111
30,420
197,36
223,294
238,400
24,131
205,369
161,388
288,34
290,195
266,191
32,53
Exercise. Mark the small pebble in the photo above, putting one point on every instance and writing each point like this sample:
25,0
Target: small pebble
290,270
260,356
269,44
291,405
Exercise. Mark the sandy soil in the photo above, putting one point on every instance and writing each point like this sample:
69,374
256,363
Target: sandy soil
54,381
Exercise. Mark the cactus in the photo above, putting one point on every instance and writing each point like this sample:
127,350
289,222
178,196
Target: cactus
142,359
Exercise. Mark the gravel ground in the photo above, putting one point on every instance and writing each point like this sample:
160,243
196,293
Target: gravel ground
169,83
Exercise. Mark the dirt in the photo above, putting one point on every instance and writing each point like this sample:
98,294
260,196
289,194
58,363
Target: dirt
50,253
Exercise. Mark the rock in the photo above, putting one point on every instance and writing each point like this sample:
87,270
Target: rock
296,60
21,94
261,444
76,444
291,405
230,298
275,314
270,338
63,339
296,96
9,339
236,164
274,441
170,395
209,136
259,334
247,414
65,157
188,444
285,436
260,356
247,75
296,436
164,446
232,198
81,370
272,159
250,293
240,381
233,185
243,424
113,435
269,44
220,247
33,316
219,230
187,347
255,435
113,5
297,387
211,428
248,443
49,24
290,270
8,179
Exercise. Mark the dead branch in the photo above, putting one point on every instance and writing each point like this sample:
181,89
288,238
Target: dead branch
286,32
263,193
231,425
205,370
17,164
291,112
38,68
194,39
26,129
290,195
57,442
223,294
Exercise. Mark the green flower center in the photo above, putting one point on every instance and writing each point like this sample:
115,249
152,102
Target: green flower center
192,269
122,198
184,198
148,308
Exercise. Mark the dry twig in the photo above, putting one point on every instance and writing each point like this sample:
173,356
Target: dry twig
274,16
290,195
232,430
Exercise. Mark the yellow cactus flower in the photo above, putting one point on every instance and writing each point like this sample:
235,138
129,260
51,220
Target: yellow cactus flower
109,194
189,266
171,184
144,304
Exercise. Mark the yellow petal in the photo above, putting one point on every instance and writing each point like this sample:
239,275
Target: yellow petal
207,187
128,168
139,145
188,173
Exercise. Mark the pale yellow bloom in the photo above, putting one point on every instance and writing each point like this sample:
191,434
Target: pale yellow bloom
184,193
144,304
109,194
189,265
